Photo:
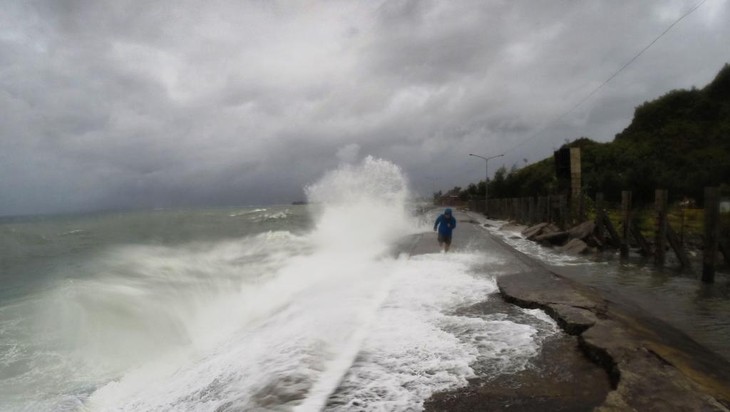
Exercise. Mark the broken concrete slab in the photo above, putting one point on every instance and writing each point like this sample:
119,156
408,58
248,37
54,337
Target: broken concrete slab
538,289
571,319
648,383
645,374
583,230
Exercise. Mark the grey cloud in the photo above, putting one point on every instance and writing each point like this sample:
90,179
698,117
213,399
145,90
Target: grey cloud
135,104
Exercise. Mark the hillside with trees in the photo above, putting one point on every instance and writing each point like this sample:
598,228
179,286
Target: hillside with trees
679,142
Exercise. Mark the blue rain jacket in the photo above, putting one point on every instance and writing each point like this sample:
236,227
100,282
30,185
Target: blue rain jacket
445,224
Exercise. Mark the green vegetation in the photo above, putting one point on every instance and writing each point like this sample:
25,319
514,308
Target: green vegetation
679,142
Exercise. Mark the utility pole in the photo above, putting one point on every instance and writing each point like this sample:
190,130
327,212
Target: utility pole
486,180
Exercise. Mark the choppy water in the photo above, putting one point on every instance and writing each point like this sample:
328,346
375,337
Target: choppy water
251,308
675,296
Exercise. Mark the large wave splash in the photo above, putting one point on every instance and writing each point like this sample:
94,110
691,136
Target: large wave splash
170,325
362,208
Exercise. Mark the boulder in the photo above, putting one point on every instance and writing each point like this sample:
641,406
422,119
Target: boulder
575,246
553,238
533,231
583,230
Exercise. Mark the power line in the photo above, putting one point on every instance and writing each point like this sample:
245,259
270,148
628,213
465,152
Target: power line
616,73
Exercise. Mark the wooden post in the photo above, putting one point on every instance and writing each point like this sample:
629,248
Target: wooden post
660,233
531,212
539,211
615,238
575,186
563,206
549,209
600,227
712,225
626,220
677,247
725,251
640,240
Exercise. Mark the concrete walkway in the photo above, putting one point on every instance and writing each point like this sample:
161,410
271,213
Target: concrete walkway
650,366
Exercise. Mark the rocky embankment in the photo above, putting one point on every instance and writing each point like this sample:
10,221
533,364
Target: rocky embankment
576,240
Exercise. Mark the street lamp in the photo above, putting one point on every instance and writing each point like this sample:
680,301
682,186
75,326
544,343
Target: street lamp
486,181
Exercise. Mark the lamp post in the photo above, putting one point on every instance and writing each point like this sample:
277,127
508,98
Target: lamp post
486,181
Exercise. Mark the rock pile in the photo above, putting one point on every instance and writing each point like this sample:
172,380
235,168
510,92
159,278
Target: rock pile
578,239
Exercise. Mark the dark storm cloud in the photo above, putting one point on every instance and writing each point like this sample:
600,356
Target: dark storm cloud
151,104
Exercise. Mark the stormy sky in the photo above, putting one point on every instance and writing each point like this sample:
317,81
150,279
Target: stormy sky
136,104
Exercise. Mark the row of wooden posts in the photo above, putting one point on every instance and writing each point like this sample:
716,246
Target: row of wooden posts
556,209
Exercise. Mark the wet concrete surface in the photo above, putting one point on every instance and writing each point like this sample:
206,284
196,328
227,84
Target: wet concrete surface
618,358
559,378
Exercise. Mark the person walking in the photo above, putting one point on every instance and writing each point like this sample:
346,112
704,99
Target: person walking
445,224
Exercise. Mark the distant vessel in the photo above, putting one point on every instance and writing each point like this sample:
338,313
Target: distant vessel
299,202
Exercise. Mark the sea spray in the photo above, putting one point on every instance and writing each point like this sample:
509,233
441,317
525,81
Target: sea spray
328,296
364,212
364,207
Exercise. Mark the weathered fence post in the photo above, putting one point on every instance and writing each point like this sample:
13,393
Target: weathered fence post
603,222
576,209
531,202
712,225
563,207
600,229
626,220
660,234
549,209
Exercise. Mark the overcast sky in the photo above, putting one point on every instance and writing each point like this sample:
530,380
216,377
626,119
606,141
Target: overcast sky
117,103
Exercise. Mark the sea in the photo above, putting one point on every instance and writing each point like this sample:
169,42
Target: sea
253,308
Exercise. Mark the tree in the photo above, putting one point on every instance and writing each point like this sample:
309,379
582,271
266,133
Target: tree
679,142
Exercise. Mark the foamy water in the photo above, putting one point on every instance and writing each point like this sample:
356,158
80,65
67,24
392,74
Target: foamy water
318,317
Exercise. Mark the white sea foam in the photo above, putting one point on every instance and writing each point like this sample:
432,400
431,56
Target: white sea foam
515,239
72,232
272,216
419,346
246,212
